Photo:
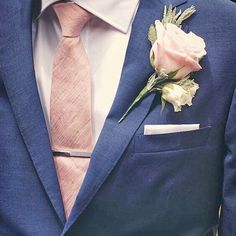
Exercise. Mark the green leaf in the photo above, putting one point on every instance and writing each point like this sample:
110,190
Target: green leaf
177,16
152,59
152,81
171,16
165,12
152,34
185,80
163,104
173,74
185,15
173,12
144,92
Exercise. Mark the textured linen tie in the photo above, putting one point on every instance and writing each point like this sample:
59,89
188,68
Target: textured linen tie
70,105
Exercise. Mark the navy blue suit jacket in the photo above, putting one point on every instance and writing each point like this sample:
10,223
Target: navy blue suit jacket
136,185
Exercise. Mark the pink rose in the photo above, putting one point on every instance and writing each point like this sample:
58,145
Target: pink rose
176,50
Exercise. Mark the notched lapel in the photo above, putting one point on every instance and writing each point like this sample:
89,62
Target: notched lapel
17,72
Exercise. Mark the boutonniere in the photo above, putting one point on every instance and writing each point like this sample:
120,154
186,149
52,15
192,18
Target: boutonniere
174,56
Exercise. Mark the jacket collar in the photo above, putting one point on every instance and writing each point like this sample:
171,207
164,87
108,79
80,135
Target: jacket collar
120,16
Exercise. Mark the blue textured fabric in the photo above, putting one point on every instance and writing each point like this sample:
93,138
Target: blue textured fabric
136,185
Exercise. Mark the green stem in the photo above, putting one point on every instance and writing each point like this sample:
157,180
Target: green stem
152,85
141,95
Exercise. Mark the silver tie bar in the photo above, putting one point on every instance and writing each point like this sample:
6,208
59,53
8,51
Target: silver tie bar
72,154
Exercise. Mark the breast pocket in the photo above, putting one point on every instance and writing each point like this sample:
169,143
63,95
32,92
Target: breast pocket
172,141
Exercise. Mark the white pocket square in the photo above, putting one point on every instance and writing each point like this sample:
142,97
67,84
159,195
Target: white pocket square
167,129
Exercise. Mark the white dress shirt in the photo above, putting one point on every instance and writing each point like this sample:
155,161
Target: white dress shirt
105,39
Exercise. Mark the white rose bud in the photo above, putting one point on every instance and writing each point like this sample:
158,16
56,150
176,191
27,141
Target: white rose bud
179,96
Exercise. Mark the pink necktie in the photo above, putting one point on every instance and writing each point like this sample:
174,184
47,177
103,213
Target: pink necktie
70,108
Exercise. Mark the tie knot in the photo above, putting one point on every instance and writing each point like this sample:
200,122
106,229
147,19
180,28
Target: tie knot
72,18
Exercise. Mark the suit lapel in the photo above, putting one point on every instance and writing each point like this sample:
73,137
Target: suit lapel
115,137
18,76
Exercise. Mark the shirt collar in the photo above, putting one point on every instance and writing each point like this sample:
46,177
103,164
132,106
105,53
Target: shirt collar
117,13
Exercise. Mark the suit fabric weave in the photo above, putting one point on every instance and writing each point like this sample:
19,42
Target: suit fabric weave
164,185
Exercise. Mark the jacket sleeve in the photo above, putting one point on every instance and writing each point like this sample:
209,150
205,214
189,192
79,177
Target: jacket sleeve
228,212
